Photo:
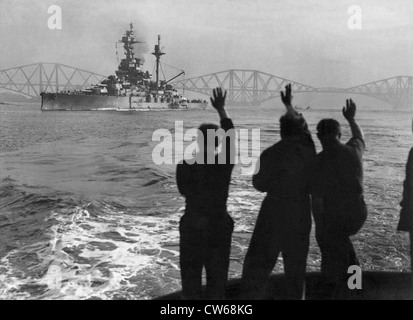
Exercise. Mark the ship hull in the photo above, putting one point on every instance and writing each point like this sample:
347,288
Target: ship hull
80,102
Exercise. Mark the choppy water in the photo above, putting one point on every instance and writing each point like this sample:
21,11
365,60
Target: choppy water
86,214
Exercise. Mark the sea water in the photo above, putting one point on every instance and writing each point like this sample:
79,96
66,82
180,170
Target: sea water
86,214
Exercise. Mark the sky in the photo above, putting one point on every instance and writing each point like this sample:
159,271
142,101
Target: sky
304,41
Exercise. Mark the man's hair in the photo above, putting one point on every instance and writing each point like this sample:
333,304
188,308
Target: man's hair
292,125
328,127
204,130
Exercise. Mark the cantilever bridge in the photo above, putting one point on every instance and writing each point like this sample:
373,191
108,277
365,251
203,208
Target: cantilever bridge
33,79
245,87
252,87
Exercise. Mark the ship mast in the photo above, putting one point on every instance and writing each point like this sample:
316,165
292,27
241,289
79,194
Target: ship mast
158,54
129,68
129,41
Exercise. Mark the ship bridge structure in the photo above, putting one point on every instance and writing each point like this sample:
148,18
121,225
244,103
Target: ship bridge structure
33,79
245,87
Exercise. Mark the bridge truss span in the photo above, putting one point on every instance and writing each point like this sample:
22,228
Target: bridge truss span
245,87
33,79
397,91
252,87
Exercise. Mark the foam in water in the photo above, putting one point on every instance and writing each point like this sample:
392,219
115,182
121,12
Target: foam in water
93,256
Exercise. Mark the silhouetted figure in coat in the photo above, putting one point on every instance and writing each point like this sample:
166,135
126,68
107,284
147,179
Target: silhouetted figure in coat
406,214
206,227
338,204
284,221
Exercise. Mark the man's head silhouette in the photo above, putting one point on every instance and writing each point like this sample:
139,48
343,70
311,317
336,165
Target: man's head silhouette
328,131
291,126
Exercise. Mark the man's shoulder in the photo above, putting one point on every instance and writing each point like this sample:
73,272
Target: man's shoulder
227,124
186,163
289,149
293,144
356,142
328,154
276,147
410,157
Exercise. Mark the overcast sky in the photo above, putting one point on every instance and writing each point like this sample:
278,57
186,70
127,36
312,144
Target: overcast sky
306,41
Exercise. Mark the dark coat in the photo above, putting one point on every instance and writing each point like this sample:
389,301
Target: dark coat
406,213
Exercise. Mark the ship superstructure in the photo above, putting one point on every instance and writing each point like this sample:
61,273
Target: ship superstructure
130,89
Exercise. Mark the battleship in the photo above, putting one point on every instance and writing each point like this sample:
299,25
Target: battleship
131,89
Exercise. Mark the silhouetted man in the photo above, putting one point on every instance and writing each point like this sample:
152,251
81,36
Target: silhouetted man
284,221
338,203
406,213
206,227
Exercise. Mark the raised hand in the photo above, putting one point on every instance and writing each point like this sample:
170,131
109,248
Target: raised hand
218,101
287,97
349,111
